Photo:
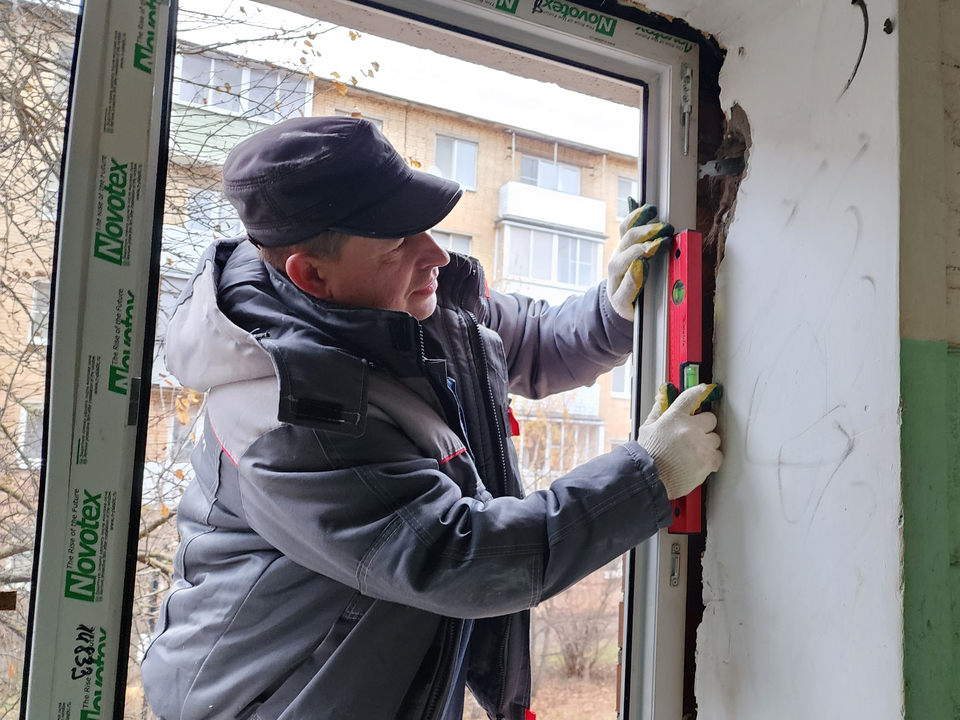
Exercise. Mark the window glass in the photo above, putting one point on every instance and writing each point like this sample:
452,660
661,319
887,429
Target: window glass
195,73
542,264
547,177
445,156
528,170
227,79
569,179
262,94
291,96
566,259
40,312
518,262
585,268
51,195
354,113
208,211
452,241
466,164
620,379
625,188
31,431
183,430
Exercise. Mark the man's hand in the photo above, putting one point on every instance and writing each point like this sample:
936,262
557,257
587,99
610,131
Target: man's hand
640,239
684,447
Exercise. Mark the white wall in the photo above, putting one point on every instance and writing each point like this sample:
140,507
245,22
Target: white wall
802,568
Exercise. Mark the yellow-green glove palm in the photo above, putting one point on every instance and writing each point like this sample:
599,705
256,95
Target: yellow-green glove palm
641,237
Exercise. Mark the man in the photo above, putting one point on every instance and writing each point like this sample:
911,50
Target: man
356,543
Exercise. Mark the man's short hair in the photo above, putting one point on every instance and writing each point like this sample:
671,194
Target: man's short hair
327,245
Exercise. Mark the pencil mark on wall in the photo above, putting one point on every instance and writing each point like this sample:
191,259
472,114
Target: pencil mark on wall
858,218
866,29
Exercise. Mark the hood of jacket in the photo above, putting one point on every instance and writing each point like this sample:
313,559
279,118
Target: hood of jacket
239,319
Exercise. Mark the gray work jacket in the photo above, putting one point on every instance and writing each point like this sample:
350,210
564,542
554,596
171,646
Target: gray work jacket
351,505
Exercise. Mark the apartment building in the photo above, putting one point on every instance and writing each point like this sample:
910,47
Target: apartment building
542,216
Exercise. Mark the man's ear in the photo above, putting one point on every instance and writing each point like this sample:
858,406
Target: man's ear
309,274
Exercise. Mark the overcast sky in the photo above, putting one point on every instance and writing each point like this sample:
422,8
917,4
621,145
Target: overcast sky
419,75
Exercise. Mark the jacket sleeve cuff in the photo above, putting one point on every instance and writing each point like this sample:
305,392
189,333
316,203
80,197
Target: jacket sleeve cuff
650,478
611,318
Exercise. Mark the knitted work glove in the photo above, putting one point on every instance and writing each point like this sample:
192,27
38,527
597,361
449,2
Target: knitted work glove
640,239
684,447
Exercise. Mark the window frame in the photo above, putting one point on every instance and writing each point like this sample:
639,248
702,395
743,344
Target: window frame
627,366
28,462
246,110
635,191
558,165
597,244
377,121
451,234
457,140
39,330
220,202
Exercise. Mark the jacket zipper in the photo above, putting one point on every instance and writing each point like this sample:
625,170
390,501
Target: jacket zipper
490,405
503,667
442,688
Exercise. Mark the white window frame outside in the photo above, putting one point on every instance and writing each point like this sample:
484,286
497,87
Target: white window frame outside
174,427
219,212
444,239
457,142
595,448
633,193
26,408
39,312
597,244
247,109
51,196
627,369
540,161
341,112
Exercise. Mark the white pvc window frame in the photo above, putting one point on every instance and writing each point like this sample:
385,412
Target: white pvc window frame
246,108
655,607
594,245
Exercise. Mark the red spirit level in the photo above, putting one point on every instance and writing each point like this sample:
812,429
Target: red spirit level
685,323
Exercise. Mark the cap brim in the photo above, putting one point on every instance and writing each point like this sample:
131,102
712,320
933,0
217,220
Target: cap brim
415,207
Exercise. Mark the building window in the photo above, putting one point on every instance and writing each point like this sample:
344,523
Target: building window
51,196
355,113
554,446
626,188
551,257
454,242
550,175
457,160
620,378
209,211
40,312
31,432
228,87
183,434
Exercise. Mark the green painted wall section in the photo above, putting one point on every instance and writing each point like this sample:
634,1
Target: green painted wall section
930,446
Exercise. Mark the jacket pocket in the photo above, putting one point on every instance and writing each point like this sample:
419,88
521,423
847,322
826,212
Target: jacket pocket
272,703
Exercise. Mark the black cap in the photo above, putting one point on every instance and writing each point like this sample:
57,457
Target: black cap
304,176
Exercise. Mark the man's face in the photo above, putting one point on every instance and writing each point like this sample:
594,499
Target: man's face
386,274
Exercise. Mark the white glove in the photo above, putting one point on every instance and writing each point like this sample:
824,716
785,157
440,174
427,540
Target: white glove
640,240
684,447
